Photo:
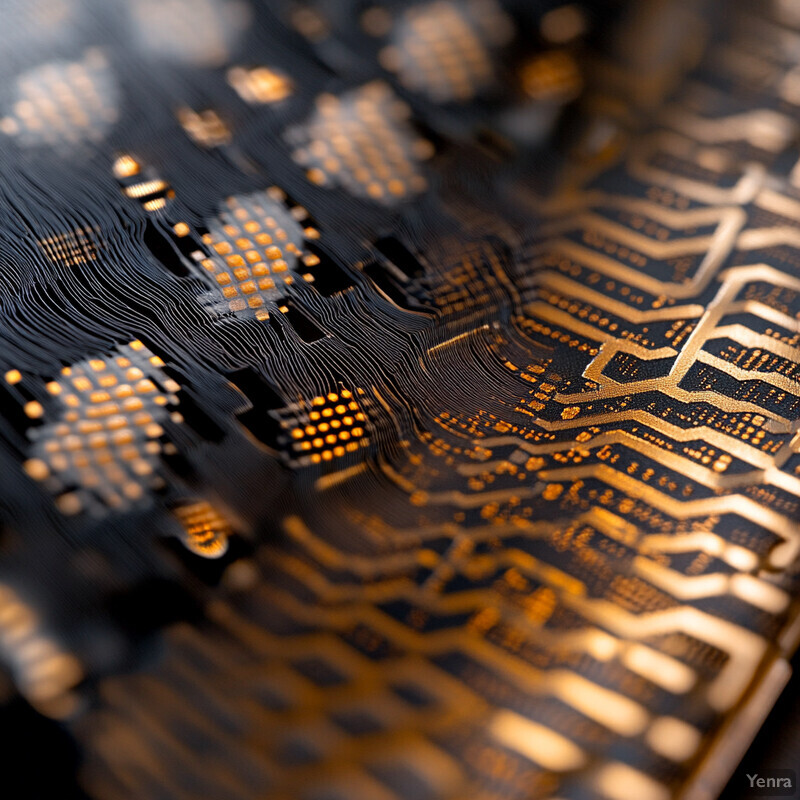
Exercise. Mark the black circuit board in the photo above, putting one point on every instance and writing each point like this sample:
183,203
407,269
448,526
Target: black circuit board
399,400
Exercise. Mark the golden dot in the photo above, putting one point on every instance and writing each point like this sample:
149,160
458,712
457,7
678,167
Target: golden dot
125,167
36,469
33,409
552,491
13,376
132,490
68,504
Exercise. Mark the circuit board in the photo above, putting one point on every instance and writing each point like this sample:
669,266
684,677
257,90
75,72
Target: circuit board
400,401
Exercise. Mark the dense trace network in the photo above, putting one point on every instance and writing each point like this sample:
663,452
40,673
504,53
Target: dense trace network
400,400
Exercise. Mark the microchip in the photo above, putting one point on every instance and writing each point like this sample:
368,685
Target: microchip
64,103
257,251
362,142
102,444
325,428
444,49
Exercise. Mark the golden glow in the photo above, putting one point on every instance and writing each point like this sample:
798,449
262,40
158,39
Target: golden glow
125,166
205,128
43,671
658,668
673,738
259,85
33,409
206,530
618,781
552,75
534,741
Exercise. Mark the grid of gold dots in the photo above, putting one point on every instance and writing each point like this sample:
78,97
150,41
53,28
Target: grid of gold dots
205,529
106,440
257,244
64,102
362,141
437,49
71,248
42,670
332,427
469,284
